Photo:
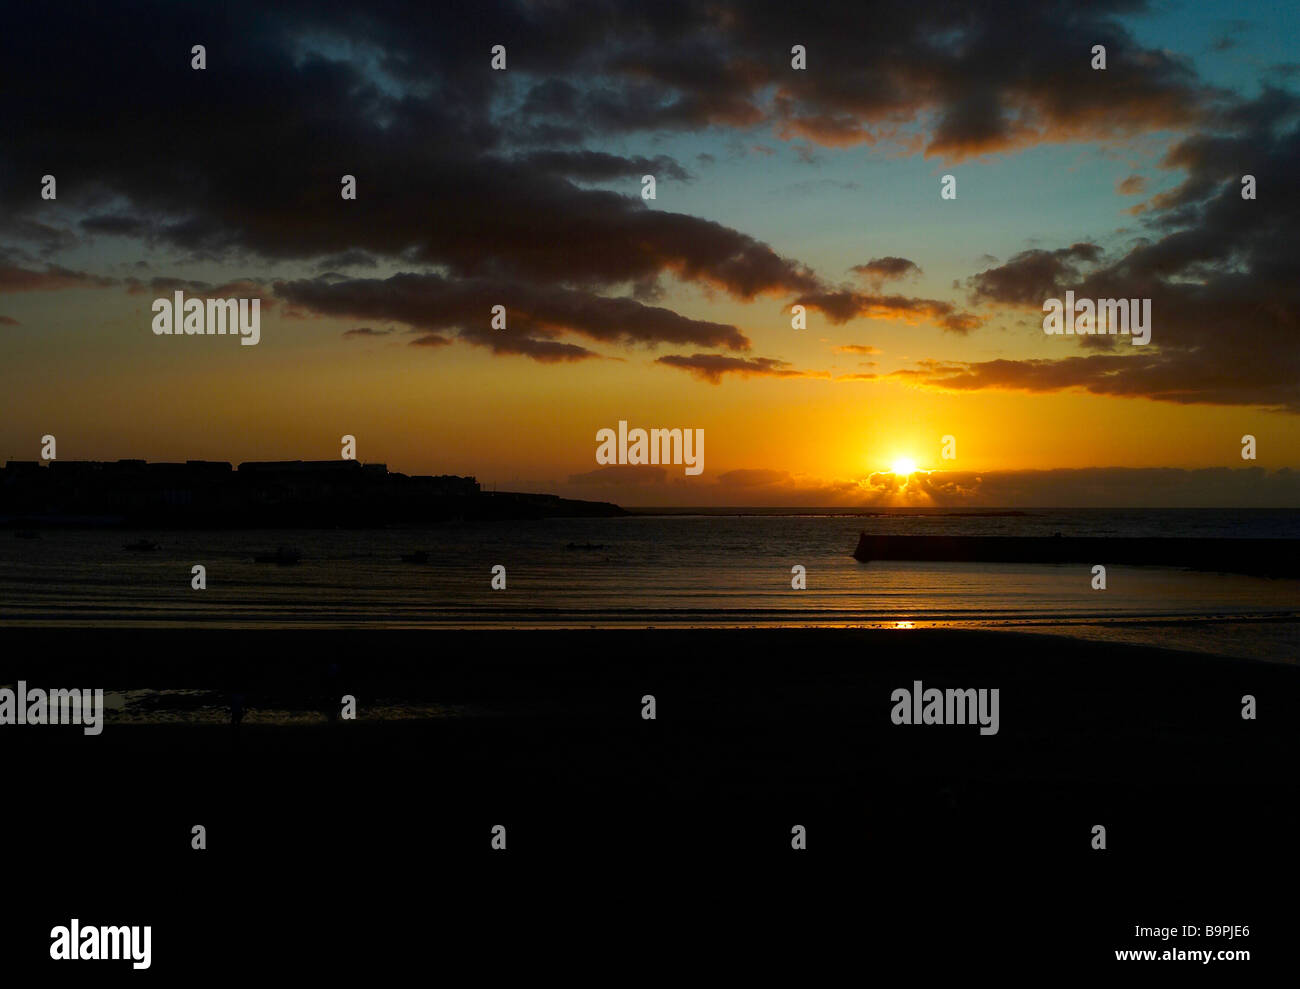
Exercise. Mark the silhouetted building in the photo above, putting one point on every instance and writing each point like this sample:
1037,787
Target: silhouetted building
199,494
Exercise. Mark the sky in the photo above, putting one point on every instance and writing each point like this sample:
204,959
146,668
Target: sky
775,187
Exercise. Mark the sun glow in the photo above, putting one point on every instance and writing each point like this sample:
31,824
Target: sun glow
904,466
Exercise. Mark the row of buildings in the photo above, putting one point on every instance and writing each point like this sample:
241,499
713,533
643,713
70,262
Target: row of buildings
204,492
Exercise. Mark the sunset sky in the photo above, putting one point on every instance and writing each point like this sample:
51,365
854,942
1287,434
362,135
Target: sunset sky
775,187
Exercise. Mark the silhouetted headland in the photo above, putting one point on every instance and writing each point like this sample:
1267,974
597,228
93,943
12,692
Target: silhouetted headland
1259,557
206,494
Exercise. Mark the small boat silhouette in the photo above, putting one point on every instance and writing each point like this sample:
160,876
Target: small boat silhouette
26,534
419,556
141,546
585,546
284,556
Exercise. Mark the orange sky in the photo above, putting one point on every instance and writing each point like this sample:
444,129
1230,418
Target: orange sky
462,410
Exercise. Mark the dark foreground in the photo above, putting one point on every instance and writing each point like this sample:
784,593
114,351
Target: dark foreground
639,847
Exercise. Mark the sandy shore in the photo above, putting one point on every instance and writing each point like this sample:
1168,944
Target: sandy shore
756,732
740,715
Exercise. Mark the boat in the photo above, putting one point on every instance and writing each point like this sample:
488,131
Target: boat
26,534
141,546
585,546
284,556
420,556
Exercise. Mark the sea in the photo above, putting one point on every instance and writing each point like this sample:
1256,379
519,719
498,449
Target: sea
661,569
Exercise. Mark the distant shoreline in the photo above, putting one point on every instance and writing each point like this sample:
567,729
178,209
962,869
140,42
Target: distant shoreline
282,494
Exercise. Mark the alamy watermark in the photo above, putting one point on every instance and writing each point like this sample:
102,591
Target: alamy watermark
77,943
220,317
52,707
946,707
1088,317
651,446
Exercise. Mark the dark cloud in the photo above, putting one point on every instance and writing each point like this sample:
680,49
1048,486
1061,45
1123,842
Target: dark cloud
135,286
711,367
243,288
1095,373
1221,272
430,340
599,165
401,96
8,321
535,316
347,259
366,331
124,226
1032,276
542,351
54,277
416,124
45,237
879,270
842,305
1131,186
472,177
980,86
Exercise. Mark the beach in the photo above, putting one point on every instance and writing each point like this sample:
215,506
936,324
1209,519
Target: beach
756,731
793,714
650,706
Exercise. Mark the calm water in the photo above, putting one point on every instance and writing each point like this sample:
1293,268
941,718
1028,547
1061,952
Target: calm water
656,570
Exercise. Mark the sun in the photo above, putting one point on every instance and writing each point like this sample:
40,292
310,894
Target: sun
904,466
